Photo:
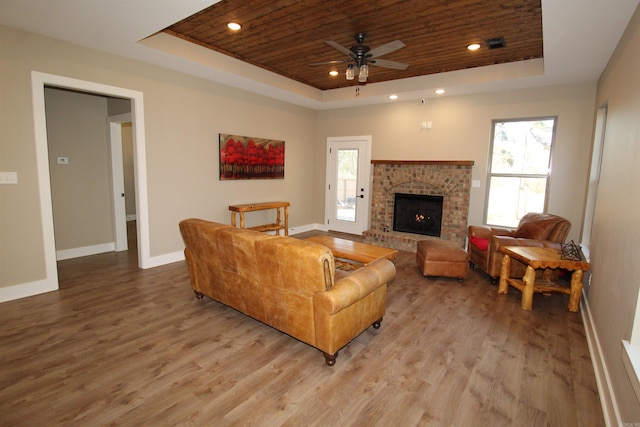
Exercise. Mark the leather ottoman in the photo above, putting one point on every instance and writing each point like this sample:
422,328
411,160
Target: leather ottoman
441,258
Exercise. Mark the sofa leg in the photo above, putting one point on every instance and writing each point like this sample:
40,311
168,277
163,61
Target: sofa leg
376,324
472,264
494,280
199,295
330,359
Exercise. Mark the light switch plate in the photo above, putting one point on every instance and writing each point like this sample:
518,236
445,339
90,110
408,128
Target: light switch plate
8,177
475,183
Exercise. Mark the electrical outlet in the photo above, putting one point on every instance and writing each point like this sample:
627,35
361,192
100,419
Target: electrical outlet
426,125
62,160
8,177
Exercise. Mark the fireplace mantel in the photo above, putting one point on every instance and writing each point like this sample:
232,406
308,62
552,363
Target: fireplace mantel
448,178
424,162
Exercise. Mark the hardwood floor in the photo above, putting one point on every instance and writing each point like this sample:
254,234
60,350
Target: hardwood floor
121,346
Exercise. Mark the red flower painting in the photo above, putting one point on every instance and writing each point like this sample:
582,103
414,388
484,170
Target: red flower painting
243,157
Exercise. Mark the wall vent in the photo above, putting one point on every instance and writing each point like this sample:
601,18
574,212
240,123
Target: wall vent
496,43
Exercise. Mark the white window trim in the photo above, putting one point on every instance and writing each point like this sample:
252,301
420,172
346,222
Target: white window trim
490,160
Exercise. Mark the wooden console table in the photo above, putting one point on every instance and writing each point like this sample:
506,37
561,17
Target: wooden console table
251,207
533,258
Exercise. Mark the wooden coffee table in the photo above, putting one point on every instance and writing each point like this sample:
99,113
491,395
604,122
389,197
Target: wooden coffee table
546,258
354,251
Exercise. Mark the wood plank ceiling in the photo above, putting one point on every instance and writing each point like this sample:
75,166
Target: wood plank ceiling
286,36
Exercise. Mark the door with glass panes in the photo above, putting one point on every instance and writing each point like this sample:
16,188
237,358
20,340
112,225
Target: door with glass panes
347,190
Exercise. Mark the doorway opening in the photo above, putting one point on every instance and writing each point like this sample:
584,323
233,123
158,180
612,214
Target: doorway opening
87,162
41,80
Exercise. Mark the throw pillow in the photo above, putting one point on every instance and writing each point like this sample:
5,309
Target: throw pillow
479,243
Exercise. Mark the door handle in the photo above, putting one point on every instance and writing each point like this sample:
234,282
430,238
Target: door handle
361,196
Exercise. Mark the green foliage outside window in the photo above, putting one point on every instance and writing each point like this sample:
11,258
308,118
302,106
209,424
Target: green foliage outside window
519,169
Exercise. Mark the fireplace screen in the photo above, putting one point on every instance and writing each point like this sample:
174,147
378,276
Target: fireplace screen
417,213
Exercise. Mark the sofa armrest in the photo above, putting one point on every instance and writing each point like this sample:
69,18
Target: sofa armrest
357,285
486,232
500,241
480,231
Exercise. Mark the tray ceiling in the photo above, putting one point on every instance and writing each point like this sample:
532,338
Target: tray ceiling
286,36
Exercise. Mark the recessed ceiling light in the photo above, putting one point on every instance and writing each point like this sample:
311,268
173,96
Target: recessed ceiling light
393,97
474,46
234,26
440,91
333,73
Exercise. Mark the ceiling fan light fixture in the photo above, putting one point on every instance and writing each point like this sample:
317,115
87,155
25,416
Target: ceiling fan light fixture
364,73
350,73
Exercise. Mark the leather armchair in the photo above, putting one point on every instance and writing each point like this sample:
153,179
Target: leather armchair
534,229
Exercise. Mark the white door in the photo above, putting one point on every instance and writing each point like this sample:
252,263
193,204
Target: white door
117,176
348,176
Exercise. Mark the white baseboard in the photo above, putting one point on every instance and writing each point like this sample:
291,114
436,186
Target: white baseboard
603,379
24,290
84,251
304,228
157,261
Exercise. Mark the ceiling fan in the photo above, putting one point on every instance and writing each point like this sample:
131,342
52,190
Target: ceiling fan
361,56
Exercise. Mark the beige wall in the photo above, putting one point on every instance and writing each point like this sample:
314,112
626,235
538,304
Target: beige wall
613,293
462,131
183,117
81,190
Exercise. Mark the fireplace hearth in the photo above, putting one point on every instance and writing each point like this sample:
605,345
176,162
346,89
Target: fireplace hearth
417,213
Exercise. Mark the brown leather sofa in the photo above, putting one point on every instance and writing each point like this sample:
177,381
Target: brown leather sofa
287,283
534,229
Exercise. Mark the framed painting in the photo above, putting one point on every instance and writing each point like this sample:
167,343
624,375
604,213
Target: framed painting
244,157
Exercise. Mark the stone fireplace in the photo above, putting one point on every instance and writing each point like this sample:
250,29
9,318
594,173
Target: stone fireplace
449,179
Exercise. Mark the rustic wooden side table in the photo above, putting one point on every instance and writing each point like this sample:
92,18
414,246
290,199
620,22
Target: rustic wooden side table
251,207
547,258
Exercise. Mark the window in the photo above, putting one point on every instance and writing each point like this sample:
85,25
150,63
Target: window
519,169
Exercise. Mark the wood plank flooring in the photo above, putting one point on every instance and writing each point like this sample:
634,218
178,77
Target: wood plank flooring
121,346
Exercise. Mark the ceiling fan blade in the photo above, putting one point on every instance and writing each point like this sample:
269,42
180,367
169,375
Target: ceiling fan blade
342,61
389,64
338,47
385,48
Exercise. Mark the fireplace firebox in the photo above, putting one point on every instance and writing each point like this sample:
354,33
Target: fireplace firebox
417,213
